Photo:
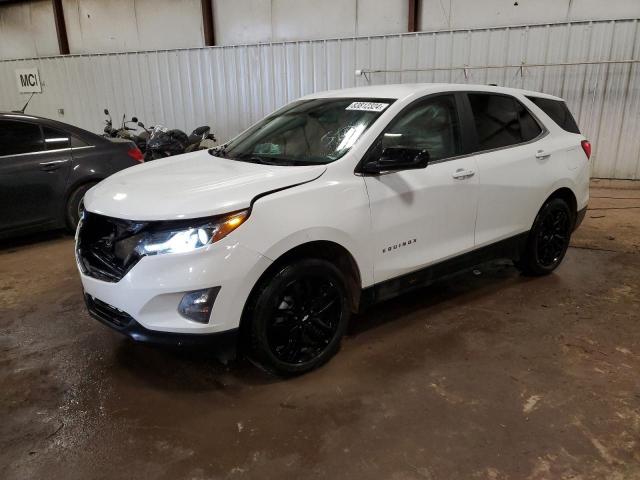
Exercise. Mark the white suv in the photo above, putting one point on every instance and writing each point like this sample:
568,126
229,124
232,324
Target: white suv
335,201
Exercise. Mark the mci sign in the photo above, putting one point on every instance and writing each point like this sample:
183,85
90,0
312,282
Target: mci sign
28,80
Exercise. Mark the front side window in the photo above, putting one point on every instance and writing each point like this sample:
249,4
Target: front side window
307,132
55,139
19,137
501,121
431,125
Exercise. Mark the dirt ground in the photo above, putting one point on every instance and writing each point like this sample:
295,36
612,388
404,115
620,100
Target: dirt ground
489,375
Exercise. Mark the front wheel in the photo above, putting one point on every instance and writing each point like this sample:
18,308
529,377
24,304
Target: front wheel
548,239
298,317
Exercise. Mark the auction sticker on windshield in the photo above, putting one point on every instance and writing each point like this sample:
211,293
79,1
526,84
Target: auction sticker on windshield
368,106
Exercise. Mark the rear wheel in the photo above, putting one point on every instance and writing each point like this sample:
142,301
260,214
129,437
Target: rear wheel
73,206
548,240
298,317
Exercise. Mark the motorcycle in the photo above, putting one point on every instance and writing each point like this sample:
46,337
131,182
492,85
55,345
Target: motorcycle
163,142
108,130
201,139
125,131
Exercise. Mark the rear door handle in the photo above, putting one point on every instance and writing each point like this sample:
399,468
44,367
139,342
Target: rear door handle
53,165
461,174
541,155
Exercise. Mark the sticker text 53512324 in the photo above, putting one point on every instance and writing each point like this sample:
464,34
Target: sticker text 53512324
368,106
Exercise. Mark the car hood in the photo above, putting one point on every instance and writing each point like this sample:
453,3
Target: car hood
190,186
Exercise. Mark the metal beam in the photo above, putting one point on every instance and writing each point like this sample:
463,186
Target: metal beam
207,23
414,6
61,28
521,66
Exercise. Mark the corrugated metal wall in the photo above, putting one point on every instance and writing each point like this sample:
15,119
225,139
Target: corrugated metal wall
232,87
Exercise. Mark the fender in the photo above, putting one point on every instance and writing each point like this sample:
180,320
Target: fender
327,234
329,208
562,183
276,190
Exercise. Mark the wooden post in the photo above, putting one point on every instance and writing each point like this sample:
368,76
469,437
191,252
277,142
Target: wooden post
414,6
61,28
207,23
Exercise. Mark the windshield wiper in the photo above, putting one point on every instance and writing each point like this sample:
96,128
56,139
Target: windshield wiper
262,160
221,151
253,158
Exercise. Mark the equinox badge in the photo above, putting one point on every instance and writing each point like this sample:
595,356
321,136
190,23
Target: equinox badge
398,245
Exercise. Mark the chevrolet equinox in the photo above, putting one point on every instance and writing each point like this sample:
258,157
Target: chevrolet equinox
335,201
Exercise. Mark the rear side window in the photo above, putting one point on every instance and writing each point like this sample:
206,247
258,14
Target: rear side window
19,137
55,139
78,142
501,121
558,112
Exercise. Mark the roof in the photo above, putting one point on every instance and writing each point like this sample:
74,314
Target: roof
81,132
19,115
404,90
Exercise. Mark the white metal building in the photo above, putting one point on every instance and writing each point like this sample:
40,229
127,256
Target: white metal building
148,58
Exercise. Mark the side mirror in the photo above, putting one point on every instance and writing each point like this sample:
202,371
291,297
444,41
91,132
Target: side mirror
106,111
398,158
134,119
140,124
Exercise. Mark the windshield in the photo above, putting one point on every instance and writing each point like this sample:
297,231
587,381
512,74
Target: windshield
306,132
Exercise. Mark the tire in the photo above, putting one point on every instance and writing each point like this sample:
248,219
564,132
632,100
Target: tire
298,317
72,213
548,239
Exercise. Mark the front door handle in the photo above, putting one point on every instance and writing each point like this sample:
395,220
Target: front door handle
461,174
541,155
53,165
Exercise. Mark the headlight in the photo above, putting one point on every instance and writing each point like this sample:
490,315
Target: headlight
80,217
190,237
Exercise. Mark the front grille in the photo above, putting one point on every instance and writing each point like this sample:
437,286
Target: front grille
106,247
107,313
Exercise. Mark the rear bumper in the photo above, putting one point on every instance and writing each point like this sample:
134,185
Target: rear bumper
125,324
580,217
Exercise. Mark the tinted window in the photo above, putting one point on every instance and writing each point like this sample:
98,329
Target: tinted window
19,137
528,125
558,112
501,121
77,142
431,125
55,139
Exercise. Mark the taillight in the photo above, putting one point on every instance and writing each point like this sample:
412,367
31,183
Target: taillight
586,146
136,154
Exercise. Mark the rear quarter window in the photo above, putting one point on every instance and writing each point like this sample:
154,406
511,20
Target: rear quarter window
501,121
77,142
558,111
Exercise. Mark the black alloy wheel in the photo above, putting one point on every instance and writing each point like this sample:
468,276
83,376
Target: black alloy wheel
304,320
548,239
553,237
299,317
